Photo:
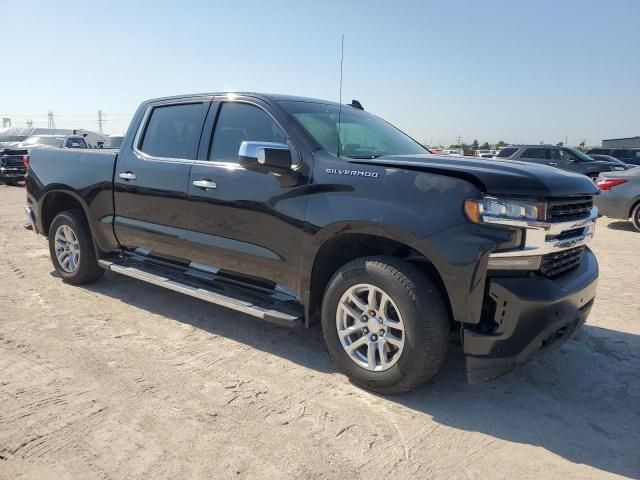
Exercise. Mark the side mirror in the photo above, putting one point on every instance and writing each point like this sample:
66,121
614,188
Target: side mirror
268,154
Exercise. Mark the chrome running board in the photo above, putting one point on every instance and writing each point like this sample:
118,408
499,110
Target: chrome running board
258,305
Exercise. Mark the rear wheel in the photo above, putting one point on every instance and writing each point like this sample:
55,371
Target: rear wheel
71,247
635,217
385,324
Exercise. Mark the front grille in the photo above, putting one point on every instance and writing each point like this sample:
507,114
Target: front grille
569,209
554,264
11,161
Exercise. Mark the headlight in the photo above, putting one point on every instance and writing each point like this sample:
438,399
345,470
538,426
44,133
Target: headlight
505,208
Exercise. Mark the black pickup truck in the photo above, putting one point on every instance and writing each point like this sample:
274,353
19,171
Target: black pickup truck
299,211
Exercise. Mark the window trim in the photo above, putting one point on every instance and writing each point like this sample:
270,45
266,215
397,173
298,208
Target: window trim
222,99
144,123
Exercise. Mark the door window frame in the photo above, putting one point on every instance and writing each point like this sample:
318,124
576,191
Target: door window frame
211,123
144,123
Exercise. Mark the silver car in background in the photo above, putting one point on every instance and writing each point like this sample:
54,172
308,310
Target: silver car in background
620,195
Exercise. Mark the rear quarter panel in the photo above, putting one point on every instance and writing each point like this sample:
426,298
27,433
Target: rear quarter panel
86,175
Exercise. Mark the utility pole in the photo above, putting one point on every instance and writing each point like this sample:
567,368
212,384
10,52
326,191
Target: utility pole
52,122
459,140
29,123
100,121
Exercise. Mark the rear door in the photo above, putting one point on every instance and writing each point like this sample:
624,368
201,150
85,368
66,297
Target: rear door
151,178
250,221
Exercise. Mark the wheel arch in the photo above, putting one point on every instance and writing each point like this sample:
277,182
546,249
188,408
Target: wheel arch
56,201
341,243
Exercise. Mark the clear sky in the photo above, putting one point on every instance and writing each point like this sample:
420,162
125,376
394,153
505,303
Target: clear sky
525,71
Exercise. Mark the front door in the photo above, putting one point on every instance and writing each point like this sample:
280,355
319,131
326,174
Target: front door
246,219
152,179
564,159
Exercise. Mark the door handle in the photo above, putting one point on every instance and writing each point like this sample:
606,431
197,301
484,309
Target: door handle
128,176
553,163
204,184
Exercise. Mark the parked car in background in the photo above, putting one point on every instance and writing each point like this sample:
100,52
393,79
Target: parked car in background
620,195
612,160
12,165
564,158
627,155
113,141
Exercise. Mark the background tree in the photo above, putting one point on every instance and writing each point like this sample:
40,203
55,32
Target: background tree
501,144
485,146
560,144
475,145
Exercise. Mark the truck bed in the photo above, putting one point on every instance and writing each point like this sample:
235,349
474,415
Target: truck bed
86,174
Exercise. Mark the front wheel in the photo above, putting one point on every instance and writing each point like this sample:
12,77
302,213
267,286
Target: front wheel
385,324
71,248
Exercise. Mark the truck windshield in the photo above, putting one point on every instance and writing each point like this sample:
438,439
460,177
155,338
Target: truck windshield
582,156
359,135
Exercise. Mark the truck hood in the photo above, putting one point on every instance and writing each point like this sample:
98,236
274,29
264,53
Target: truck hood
496,177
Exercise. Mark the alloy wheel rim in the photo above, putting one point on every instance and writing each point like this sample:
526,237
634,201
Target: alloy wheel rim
67,248
370,327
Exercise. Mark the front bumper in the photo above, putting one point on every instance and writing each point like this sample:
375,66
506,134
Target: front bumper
9,173
530,314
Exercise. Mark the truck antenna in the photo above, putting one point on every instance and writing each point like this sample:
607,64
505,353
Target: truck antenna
340,95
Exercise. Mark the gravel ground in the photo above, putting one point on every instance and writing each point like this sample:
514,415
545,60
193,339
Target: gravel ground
121,379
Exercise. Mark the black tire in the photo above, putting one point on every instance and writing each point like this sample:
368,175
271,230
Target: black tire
423,311
11,183
593,176
87,269
635,217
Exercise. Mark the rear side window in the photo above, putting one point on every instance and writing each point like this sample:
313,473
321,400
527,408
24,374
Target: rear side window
537,153
506,152
239,122
173,131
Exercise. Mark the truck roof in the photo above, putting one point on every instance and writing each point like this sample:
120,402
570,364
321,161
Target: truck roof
264,96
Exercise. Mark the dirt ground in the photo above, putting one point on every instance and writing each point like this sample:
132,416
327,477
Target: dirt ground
125,380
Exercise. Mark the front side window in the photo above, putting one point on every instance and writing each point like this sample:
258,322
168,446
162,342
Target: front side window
351,132
535,153
173,131
562,156
238,122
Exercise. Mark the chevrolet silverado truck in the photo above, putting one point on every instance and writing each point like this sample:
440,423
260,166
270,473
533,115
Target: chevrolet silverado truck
300,211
